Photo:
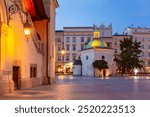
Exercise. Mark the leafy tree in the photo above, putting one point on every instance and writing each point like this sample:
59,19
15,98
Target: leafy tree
128,59
100,64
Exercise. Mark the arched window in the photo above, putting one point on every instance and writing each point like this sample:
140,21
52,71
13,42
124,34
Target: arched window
103,57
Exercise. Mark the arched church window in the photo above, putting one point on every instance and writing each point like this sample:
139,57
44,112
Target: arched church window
103,57
87,57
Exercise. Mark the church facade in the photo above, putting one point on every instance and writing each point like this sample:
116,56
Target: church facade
96,49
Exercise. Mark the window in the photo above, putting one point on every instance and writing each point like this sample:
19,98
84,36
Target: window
59,58
82,39
73,57
33,70
149,54
135,38
103,57
142,54
142,39
116,51
149,62
67,57
74,48
74,39
67,47
108,44
88,39
82,47
59,48
142,46
87,57
58,39
115,43
67,39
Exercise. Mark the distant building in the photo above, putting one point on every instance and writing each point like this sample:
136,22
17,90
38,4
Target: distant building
74,39
142,35
97,49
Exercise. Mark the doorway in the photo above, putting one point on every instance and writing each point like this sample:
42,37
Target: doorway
16,77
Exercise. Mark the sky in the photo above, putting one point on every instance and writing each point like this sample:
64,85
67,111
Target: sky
121,13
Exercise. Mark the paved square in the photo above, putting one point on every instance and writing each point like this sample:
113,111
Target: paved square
86,88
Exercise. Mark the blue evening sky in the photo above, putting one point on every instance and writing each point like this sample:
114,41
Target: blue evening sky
121,13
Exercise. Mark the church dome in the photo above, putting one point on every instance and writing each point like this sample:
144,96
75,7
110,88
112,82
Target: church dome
96,43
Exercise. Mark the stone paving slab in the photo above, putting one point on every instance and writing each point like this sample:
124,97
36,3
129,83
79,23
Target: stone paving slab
86,88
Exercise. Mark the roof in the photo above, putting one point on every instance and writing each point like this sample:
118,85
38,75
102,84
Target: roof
59,31
35,9
96,43
78,27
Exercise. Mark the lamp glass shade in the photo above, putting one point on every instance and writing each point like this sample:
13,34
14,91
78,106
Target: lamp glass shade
27,29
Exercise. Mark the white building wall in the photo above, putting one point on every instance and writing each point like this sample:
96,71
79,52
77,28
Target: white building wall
87,58
109,57
77,69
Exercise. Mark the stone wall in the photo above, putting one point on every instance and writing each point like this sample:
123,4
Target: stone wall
7,86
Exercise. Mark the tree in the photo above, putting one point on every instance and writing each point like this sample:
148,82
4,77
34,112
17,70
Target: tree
100,64
128,59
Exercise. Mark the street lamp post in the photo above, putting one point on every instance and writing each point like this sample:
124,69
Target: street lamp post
63,53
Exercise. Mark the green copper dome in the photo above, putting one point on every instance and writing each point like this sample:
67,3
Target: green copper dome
96,43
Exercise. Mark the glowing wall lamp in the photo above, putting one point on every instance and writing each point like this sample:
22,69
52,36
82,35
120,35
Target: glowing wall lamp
13,9
27,28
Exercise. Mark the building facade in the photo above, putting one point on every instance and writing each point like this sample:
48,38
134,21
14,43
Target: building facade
22,58
74,39
142,35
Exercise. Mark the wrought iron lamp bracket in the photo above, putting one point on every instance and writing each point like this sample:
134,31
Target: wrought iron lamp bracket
14,8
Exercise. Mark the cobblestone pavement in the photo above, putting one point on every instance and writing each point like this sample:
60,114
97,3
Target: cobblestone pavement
86,88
